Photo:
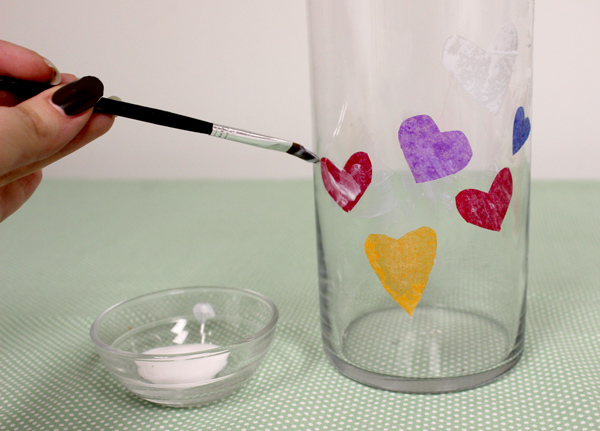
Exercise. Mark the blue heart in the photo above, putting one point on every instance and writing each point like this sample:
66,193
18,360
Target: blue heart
521,130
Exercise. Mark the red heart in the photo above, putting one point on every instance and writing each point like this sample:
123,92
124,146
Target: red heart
346,186
487,210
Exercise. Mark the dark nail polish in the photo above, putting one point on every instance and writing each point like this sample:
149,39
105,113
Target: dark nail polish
79,96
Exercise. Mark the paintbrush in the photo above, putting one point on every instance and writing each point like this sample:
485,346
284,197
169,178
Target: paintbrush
27,89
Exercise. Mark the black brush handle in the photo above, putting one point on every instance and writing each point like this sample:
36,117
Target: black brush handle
22,88
152,115
27,89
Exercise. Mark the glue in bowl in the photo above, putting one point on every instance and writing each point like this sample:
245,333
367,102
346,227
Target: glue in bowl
188,346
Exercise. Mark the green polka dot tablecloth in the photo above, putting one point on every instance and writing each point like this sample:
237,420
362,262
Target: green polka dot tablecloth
78,247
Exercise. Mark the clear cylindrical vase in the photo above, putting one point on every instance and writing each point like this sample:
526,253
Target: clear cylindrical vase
421,116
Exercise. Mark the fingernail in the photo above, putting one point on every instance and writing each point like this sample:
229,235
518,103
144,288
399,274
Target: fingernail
117,98
79,96
56,78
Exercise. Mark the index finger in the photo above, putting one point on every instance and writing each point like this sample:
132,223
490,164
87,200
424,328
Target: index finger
23,63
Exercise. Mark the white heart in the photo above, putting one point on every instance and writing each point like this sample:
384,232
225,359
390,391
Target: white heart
484,74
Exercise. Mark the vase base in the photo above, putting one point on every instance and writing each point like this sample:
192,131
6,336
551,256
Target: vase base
436,350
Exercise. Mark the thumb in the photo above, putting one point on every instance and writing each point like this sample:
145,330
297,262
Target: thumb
39,127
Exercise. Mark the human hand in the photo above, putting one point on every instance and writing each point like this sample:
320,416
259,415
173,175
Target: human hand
45,128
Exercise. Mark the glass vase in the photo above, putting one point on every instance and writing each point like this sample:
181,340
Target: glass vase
422,120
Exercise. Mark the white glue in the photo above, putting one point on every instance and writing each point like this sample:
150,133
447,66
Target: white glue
185,371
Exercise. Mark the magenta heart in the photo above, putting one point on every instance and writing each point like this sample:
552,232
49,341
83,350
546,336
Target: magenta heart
346,186
487,210
429,153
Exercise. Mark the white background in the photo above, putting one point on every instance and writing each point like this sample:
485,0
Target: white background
245,64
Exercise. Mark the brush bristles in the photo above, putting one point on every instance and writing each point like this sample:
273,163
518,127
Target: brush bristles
303,153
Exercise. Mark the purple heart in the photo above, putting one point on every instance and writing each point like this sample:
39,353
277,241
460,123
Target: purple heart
431,154
521,130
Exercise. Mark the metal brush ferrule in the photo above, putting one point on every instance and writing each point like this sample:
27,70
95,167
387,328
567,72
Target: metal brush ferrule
250,138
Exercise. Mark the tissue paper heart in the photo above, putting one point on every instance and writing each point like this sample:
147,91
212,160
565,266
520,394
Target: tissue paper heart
484,74
487,210
403,265
521,130
429,153
346,186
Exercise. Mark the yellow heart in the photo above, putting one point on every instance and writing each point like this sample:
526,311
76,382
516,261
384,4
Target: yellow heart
403,265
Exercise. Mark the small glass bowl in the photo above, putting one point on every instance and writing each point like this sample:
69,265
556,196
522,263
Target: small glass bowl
188,346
